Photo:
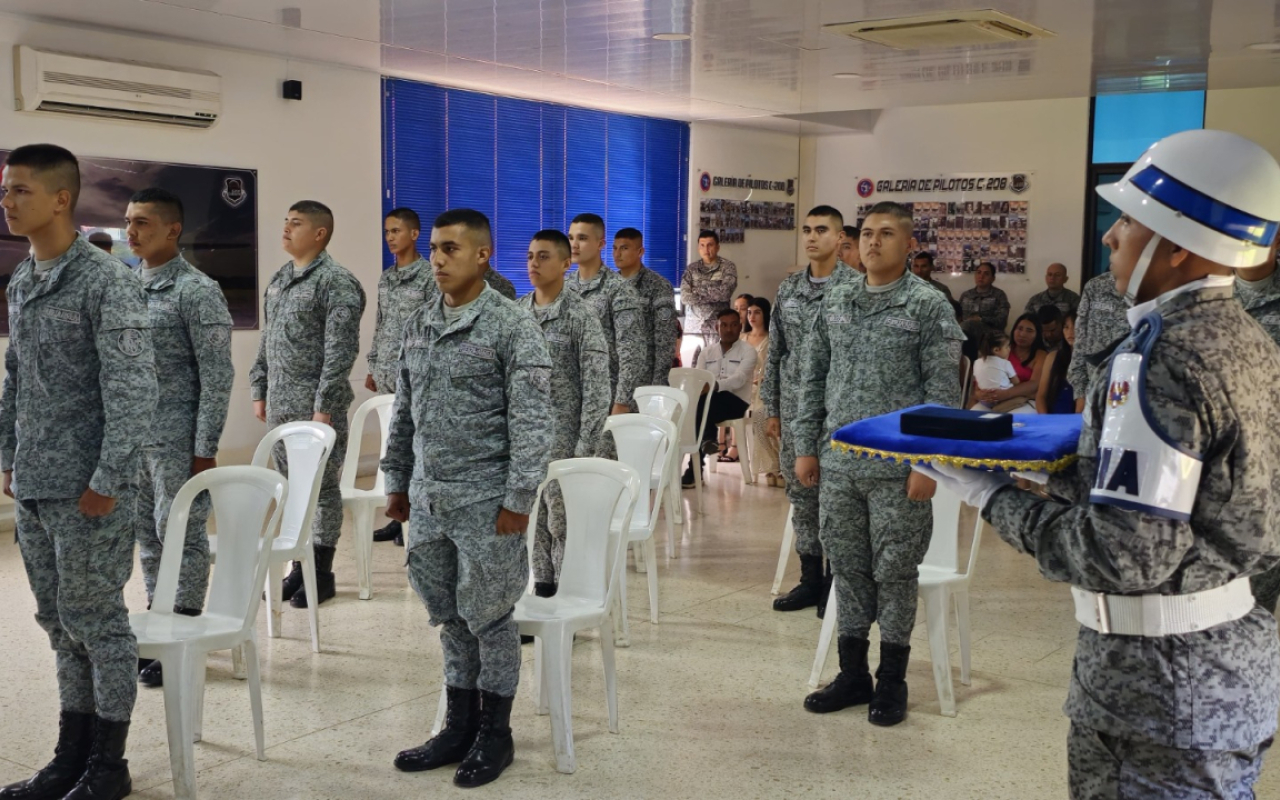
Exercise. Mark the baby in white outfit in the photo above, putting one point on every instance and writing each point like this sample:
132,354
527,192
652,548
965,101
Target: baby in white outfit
994,372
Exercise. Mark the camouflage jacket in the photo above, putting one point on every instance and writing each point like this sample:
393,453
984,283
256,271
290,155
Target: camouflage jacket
499,283
619,308
80,378
472,417
705,289
579,373
1208,382
992,307
191,335
1262,300
401,292
1066,301
658,313
871,353
310,340
1100,323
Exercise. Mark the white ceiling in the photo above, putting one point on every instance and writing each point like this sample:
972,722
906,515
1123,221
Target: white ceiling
759,62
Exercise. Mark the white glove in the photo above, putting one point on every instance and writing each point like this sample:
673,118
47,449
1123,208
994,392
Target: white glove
974,487
1041,478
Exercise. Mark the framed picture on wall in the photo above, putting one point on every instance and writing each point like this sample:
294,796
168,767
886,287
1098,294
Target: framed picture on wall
219,237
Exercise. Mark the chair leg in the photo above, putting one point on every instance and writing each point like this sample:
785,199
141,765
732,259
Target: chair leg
362,528
441,707
250,649
237,663
697,489
784,557
182,752
275,610
309,583
936,602
744,453
962,629
642,566
199,666
652,557
557,666
824,639
673,489
610,671
624,624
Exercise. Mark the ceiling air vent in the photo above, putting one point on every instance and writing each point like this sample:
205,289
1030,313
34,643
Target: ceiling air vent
940,30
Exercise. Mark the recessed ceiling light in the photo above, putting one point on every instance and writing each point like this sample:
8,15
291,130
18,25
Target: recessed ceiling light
1264,46
847,75
672,37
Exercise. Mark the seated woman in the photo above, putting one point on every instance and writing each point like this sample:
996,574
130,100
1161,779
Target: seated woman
1027,357
764,452
1056,395
992,372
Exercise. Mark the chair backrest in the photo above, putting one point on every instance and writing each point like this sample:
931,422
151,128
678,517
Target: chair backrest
662,402
643,444
351,464
691,382
306,447
966,380
944,547
248,504
594,490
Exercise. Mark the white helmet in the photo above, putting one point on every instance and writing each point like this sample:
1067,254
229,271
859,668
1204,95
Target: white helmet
1214,193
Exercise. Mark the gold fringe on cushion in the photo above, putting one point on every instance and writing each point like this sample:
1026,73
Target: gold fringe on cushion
1007,465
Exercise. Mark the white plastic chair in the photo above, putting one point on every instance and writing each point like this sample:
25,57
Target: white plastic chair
671,405
247,505
307,445
691,382
364,502
784,557
940,582
599,499
740,427
644,444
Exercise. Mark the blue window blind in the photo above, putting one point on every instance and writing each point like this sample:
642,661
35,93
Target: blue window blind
1125,125
531,165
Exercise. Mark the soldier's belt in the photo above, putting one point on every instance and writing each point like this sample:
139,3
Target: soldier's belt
1162,615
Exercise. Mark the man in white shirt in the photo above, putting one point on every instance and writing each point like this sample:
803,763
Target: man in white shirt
733,362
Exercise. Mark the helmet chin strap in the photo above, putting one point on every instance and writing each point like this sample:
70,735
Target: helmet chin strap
1140,270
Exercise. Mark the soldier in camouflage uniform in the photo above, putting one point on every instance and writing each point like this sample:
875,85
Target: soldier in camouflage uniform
1100,323
468,446
79,393
621,314
579,387
1057,295
984,301
706,287
191,336
310,340
879,344
799,298
1172,503
657,304
499,283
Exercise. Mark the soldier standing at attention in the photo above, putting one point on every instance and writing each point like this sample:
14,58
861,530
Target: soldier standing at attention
402,290
579,387
79,392
707,286
880,344
467,449
310,340
620,311
799,299
191,336
657,304
1173,503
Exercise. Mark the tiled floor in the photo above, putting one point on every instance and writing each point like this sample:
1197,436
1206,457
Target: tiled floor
710,698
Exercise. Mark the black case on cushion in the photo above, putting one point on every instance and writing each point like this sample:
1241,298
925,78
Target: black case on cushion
955,423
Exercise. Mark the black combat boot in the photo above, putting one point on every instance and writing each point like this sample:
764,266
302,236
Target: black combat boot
326,584
808,592
453,742
292,582
852,687
70,757
152,675
494,749
388,532
107,775
826,592
889,706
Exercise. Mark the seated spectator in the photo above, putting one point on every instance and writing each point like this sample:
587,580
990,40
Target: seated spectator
984,301
992,372
1050,319
740,304
922,266
733,363
1056,394
1027,357
765,448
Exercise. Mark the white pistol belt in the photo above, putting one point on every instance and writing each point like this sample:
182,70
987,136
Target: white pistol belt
1162,615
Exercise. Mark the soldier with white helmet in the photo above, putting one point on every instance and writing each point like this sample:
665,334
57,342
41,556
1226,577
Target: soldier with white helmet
1174,500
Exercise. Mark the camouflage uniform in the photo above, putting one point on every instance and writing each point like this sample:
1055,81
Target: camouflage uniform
942,287
704,290
401,292
1202,704
470,434
499,283
871,353
310,340
658,312
1066,301
789,329
621,315
991,306
191,335
79,393
1262,300
1100,323
579,406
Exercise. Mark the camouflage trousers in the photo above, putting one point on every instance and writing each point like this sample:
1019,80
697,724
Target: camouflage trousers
327,525
77,567
549,536
804,502
162,473
1266,588
875,539
1104,767
470,578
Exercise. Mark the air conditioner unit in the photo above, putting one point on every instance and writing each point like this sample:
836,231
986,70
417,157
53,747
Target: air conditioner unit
941,29
127,90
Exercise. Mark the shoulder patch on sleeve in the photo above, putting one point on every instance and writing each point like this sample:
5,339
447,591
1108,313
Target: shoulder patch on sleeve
218,335
132,342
